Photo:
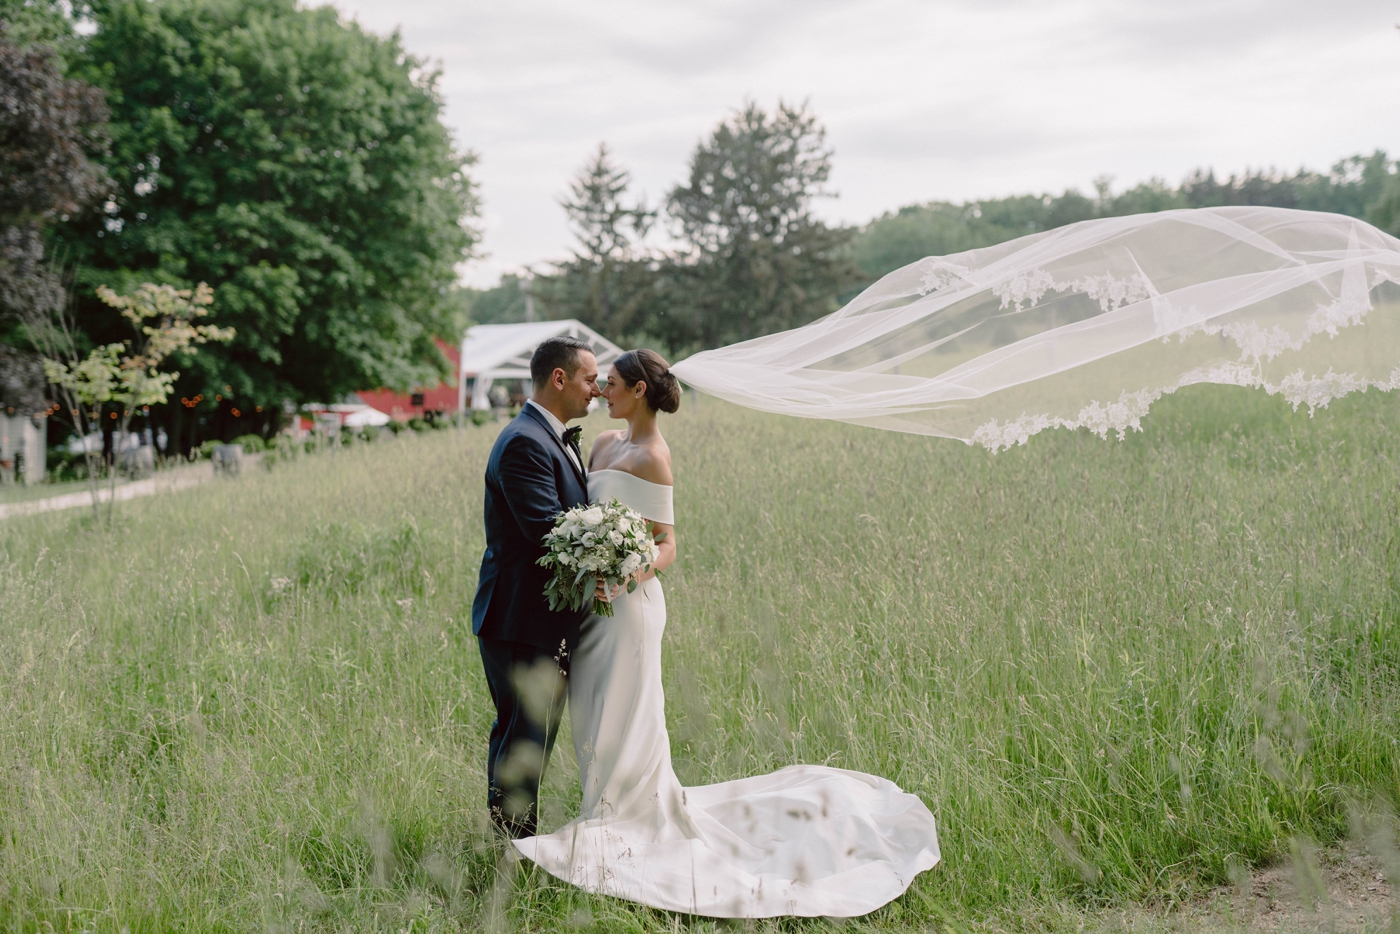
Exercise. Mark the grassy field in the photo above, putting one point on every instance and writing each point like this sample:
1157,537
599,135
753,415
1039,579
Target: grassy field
1119,673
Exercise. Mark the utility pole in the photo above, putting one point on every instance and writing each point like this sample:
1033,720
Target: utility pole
525,283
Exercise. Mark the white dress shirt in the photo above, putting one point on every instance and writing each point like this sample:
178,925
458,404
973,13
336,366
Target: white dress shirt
558,427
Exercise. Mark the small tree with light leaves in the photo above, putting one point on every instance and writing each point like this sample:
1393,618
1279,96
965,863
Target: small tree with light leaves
127,375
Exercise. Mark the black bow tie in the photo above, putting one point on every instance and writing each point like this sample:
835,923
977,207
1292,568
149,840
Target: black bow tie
571,436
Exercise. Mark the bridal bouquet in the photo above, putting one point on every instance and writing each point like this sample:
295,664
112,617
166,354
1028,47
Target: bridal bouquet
598,541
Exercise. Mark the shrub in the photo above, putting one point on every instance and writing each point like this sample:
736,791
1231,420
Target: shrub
64,464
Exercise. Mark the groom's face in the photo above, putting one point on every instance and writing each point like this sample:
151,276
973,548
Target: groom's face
581,388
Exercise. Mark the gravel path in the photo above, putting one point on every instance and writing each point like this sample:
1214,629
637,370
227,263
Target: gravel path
167,481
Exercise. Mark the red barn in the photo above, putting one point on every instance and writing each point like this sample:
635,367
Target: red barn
439,399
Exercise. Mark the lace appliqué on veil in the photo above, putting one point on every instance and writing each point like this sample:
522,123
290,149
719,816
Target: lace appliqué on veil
1025,290
1298,389
939,274
1111,292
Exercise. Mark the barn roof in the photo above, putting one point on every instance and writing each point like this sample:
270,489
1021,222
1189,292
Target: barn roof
503,350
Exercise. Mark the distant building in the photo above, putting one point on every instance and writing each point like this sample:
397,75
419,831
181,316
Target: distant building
490,357
22,449
421,402
23,417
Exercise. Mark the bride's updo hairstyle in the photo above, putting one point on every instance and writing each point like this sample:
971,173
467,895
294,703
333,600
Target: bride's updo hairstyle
663,389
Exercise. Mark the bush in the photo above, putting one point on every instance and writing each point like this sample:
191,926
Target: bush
251,444
64,464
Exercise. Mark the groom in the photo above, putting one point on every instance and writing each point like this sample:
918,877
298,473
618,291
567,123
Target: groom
535,472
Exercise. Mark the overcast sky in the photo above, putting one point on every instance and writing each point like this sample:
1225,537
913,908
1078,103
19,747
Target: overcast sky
922,99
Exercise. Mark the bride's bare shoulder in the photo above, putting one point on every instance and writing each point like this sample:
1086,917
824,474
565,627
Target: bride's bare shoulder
652,463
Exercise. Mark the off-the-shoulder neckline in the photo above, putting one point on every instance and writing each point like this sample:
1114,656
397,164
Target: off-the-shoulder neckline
664,486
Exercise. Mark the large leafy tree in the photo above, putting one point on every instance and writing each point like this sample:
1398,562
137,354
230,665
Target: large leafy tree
299,165
758,260
51,128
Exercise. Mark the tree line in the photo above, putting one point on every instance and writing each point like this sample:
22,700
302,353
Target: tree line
294,162
752,259
1363,186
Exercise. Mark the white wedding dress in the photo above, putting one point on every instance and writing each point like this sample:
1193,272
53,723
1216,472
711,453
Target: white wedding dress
806,840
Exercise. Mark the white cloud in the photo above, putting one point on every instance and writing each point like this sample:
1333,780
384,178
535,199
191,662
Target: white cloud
922,100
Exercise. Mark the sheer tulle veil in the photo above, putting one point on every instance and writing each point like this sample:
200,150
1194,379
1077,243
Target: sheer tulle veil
1087,325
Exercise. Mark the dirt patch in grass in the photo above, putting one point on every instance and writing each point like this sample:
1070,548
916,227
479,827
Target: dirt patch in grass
1340,891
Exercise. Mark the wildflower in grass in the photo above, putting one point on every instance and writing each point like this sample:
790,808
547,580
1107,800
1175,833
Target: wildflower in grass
597,542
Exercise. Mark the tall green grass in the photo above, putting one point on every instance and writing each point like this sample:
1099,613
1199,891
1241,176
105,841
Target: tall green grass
1115,670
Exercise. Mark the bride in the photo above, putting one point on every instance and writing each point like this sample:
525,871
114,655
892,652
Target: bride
806,840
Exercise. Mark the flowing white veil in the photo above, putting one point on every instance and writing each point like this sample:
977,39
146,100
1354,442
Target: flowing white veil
1087,326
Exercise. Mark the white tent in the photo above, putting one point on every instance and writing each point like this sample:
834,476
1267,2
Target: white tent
366,417
502,351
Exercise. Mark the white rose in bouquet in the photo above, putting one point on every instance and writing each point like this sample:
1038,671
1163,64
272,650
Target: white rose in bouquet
607,542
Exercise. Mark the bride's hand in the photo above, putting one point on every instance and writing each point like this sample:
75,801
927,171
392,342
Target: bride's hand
605,593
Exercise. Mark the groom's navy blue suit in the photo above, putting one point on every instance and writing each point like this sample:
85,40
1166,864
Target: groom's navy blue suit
524,644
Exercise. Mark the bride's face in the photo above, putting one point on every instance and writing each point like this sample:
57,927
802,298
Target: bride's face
622,399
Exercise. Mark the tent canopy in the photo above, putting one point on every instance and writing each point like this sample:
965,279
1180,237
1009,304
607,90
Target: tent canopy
366,417
502,351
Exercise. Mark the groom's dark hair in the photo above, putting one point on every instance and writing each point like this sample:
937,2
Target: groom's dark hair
557,353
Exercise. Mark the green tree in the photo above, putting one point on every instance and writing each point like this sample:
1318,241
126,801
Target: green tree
46,23
503,303
606,224
51,128
757,260
300,166
1384,212
1147,197
609,282
126,376
940,228
1353,186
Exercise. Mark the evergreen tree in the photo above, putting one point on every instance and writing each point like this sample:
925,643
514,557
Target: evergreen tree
608,283
757,260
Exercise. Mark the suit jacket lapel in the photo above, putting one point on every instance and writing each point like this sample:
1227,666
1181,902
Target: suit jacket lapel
549,430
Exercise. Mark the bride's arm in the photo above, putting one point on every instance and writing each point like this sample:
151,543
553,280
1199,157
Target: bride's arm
665,536
655,467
